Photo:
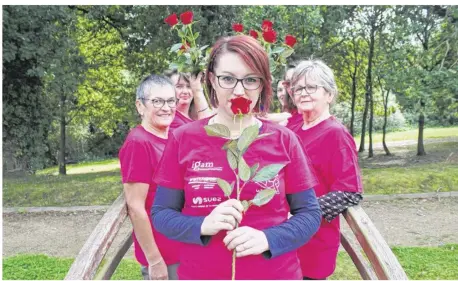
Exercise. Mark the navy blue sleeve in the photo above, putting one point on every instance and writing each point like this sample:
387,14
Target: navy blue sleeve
298,230
168,219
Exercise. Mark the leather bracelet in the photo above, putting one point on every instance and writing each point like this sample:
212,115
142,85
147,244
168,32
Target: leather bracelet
202,109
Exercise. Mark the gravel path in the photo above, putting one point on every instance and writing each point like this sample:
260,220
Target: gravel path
421,222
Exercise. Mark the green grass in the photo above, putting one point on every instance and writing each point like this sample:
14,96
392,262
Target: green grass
100,188
414,179
412,134
78,168
419,263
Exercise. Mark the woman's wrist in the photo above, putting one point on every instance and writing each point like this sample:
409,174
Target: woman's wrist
155,261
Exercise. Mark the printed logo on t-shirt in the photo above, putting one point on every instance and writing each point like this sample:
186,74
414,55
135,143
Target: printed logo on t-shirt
270,184
204,202
202,182
205,166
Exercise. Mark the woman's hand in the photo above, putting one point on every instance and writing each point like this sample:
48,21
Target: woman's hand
223,217
246,241
158,270
196,83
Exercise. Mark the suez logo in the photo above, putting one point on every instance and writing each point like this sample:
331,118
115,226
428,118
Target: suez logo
204,166
203,200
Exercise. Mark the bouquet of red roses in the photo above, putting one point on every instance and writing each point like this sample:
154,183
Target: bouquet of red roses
277,51
191,57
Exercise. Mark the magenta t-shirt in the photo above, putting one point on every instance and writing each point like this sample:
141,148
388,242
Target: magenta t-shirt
295,121
332,151
179,120
192,161
139,157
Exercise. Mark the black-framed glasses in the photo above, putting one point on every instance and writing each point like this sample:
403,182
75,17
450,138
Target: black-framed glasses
248,83
159,103
309,89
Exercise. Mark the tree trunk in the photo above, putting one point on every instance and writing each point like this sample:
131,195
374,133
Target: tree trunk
353,87
62,165
369,95
421,125
353,102
385,118
363,127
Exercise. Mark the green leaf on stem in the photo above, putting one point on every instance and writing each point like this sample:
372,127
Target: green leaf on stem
247,137
218,130
232,159
233,147
268,172
176,47
181,34
253,170
196,35
263,197
244,170
287,53
245,205
278,50
225,186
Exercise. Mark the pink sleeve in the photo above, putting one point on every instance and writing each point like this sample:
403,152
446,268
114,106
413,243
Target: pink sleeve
299,173
345,171
136,165
169,172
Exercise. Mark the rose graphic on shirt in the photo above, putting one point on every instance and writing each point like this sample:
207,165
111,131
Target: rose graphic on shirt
235,148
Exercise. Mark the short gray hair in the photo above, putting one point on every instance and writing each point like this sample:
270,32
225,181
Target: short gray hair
149,82
317,70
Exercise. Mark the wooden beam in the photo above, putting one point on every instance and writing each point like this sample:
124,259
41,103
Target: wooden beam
384,262
364,268
110,267
86,263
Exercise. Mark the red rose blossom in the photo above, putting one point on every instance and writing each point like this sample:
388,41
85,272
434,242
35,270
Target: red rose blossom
237,27
270,36
185,46
171,20
254,34
290,40
186,17
240,105
267,25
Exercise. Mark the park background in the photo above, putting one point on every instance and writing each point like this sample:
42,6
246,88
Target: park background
69,79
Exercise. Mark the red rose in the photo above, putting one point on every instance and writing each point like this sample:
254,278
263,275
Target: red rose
185,46
254,34
270,36
290,40
267,25
240,105
237,27
186,17
171,20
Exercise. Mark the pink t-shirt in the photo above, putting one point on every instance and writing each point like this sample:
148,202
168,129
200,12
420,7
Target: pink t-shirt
139,157
295,121
179,120
192,161
332,151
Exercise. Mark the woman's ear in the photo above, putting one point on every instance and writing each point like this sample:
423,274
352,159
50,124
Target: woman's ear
140,107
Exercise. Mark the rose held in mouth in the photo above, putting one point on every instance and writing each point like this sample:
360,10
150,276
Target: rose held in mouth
240,105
